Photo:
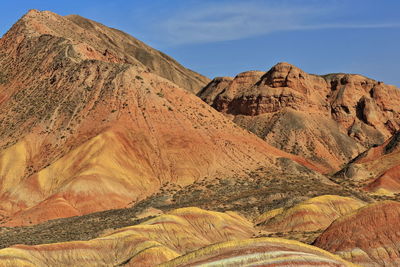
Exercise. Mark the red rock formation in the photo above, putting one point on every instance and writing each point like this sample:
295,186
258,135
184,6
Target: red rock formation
369,236
328,119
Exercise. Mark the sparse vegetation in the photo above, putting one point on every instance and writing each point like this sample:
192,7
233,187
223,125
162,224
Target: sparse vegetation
3,78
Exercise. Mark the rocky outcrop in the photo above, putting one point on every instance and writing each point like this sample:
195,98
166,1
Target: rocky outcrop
369,236
329,119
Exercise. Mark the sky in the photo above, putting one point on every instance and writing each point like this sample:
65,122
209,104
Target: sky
226,37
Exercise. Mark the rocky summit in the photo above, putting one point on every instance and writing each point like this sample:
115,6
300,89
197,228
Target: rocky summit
114,154
328,119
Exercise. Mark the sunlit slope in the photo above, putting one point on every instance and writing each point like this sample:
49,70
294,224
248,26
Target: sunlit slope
152,242
311,215
259,252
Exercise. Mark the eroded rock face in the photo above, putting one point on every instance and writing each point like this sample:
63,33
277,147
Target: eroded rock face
368,237
84,130
324,112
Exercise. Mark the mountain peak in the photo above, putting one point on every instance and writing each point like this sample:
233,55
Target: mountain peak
87,39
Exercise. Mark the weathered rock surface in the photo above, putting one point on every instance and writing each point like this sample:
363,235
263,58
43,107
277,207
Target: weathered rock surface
368,236
329,119
311,215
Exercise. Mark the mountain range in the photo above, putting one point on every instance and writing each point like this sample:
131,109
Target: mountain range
114,154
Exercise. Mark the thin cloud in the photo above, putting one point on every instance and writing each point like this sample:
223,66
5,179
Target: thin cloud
206,24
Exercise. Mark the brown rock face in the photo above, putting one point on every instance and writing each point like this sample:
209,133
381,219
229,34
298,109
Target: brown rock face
85,129
369,236
328,119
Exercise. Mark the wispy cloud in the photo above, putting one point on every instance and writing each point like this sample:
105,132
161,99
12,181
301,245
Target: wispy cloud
237,20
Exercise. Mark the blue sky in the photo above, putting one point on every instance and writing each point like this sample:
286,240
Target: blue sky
225,37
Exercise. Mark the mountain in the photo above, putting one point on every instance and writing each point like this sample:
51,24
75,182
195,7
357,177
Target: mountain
81,132
327,119
108,158
92,40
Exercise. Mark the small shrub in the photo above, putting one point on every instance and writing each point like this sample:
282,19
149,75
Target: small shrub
3,78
